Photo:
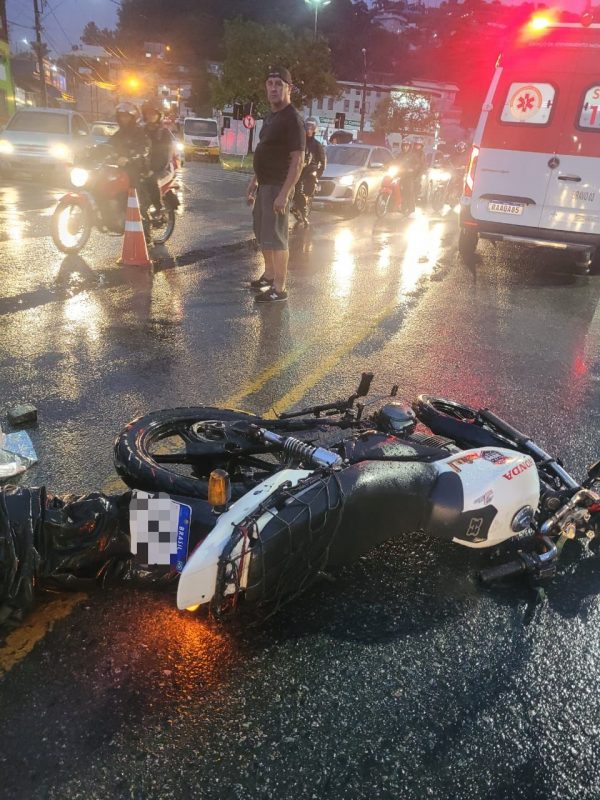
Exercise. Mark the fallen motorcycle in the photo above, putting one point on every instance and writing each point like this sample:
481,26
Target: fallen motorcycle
247,510
100,201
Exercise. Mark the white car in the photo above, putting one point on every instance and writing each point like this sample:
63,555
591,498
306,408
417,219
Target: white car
36,139
353,176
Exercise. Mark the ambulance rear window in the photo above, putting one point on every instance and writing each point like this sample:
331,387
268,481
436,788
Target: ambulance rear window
589,116
528,104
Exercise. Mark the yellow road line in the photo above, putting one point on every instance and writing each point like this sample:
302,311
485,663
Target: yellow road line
22,641
325,366
270,372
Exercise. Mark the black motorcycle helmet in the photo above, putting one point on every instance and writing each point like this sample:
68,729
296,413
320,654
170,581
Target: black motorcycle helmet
150,107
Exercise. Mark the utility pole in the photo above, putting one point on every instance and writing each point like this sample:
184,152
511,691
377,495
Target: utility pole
38,47
364,93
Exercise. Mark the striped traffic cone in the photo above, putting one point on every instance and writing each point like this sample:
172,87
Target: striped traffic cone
135,252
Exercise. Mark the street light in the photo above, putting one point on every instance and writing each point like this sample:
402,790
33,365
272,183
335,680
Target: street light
364,92
317,4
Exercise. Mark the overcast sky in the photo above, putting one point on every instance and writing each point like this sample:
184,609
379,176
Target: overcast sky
63,20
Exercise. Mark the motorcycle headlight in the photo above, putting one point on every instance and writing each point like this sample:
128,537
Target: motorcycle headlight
347,180
60,152
6,148
79,177
180,147
392,172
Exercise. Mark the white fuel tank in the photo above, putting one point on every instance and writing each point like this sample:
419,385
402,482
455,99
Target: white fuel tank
484,496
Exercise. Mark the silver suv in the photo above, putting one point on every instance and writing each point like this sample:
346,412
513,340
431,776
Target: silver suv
38,138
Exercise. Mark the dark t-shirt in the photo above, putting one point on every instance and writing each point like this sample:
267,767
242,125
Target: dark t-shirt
282,133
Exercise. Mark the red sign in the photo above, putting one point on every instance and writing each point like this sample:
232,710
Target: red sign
249,121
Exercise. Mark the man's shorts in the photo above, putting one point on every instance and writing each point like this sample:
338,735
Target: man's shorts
271,229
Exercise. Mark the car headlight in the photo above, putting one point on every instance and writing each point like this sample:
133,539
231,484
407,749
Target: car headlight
60,152
346,180
392,172
79,177
6,148
180,147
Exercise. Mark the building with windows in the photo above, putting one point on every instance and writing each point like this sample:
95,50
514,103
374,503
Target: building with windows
438,97
7,93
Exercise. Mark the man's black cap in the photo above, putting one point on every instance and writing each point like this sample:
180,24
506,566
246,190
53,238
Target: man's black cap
280,72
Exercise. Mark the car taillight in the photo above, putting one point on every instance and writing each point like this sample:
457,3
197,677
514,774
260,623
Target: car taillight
470,176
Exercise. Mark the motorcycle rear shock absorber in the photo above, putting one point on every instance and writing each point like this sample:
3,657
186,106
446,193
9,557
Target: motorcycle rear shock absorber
301,451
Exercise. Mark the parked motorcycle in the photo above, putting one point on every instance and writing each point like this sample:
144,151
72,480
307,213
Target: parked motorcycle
290,506
101,201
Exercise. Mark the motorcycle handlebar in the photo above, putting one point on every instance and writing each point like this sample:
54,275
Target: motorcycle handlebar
508,570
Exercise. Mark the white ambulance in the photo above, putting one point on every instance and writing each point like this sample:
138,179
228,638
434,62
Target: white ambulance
534,174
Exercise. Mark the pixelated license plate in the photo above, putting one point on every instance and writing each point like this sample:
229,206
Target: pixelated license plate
160,529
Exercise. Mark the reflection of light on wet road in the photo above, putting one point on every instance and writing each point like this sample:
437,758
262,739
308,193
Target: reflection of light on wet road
344,263
385,254
423,247
82,311
13,224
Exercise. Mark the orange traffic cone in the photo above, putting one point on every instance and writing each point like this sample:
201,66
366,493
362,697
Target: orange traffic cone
135,252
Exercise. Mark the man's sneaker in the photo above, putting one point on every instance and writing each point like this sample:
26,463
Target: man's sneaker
271,297
261,283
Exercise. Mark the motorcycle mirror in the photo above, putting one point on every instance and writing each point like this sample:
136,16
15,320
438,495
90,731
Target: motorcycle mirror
364,385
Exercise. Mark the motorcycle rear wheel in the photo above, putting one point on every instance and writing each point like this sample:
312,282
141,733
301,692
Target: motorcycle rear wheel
193,437
71,226
382,205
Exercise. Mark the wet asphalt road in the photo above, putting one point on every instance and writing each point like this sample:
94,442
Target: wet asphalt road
400,679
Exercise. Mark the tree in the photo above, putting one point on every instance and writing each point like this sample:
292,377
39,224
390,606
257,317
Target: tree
250,48
94,35
408,113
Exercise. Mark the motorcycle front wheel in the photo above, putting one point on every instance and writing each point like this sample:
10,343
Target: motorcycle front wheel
382,205
71,226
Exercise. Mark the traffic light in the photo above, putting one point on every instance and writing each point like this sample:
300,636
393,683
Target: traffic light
238,111
340,119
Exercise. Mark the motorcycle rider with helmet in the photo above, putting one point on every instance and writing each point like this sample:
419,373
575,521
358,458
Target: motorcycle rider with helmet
315,162
131,145
162,145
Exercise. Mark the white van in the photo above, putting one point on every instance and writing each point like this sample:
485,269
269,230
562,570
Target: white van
534,174
201,137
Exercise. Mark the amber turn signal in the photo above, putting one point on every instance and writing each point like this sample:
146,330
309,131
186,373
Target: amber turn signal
219,488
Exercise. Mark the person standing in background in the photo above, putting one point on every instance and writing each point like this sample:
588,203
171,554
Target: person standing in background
278,162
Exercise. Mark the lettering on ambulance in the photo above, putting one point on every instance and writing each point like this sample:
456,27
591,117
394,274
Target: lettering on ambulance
518,470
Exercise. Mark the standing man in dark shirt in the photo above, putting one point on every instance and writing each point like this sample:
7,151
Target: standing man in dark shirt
278,162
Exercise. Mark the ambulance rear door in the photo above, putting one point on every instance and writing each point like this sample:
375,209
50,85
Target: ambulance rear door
518,145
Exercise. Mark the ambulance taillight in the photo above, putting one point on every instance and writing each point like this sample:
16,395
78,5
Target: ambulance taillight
470,176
